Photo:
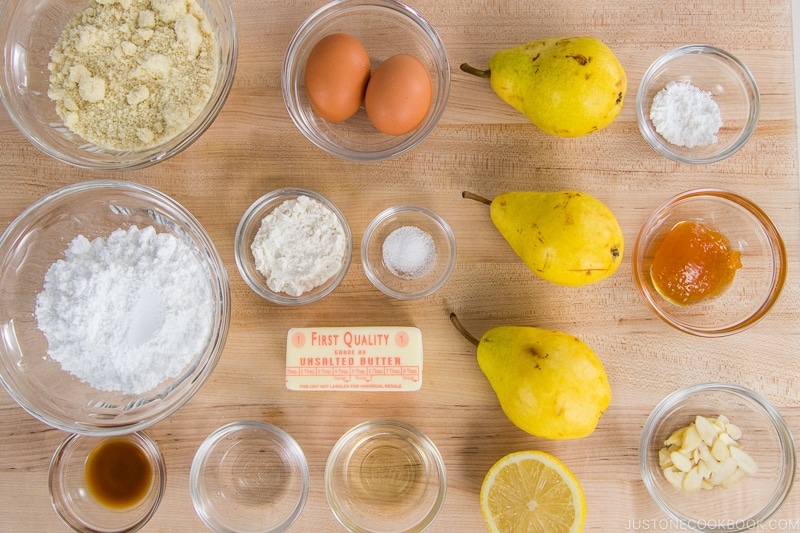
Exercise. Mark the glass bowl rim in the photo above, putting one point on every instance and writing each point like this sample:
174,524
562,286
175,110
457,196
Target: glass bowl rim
249,218
143,440
280,436
770,231
653,138
139,159
764,407
379,219
411,140
347,439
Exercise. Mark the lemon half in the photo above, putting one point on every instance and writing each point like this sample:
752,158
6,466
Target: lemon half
532,492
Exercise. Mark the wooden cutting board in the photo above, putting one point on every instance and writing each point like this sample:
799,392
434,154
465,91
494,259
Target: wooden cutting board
485,146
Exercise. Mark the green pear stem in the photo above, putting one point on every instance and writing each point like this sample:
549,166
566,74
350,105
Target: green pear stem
467,335
476,71
473,196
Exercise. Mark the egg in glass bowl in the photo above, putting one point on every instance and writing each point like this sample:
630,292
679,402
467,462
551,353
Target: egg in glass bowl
115,307
101,94
399,45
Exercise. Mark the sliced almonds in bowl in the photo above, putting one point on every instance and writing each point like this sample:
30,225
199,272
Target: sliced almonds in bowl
705,454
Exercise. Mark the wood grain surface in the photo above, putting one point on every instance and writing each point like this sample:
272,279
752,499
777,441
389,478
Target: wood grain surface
483,145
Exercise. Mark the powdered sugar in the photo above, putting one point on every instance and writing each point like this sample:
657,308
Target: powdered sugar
299,246
686,115
127,312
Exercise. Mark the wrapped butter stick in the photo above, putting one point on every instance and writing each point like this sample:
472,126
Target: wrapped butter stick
354,359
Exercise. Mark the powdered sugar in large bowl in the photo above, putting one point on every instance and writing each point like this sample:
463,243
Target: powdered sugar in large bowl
115,307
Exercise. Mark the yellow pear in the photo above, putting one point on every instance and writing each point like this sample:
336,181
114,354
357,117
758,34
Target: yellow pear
566,237
549,383
567,87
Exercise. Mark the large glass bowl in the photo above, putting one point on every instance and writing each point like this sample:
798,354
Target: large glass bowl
31,244
385,28
30,29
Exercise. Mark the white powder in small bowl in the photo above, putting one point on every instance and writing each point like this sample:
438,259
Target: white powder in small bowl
685,115
300,245
409,252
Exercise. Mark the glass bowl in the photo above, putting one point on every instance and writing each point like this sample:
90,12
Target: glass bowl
765,437
385,28
72,499
246,234
756,285
249,476
394,250
29,30
385,476
38,238
714,71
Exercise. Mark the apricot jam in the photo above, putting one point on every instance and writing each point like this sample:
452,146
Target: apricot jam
693,263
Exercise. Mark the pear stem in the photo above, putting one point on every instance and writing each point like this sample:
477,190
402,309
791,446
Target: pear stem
476,71
467,335
473,196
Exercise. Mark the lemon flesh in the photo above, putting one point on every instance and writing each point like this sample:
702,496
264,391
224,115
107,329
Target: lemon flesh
534,492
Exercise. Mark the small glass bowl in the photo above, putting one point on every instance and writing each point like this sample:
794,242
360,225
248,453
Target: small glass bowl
385,476
246,233
731,85
72,500
383,277
249,476
385,28
765,437
756,285
28,31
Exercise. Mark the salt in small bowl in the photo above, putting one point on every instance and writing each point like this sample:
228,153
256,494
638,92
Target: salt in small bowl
416,222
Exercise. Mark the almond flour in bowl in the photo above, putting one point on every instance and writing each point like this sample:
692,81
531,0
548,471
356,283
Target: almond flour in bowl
132,74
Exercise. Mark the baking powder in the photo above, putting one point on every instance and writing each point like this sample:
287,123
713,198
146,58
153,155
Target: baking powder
127,312
686,115
299,246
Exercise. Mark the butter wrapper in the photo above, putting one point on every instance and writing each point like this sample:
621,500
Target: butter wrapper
354,359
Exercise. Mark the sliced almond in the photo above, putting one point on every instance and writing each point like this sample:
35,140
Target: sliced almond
703,469
705,429
674,477
691,439
743,459
664,459
705,454
720,450
676,437
692,480
681,462
726,468
734,431
738,475
708,459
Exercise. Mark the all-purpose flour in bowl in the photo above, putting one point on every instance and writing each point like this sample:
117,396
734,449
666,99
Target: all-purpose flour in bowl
126,312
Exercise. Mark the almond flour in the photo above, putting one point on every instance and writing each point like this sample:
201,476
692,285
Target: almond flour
132,74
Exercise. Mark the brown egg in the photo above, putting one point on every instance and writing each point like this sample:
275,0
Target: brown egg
337,72
399,95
